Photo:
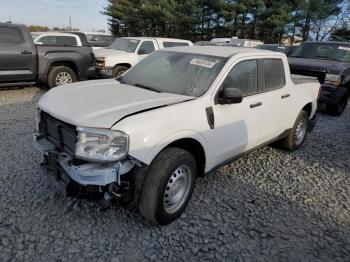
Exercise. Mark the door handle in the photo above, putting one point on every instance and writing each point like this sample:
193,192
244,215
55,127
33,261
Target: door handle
255,105
26,52
285,96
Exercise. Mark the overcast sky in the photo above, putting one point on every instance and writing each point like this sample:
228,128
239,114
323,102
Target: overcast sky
86,14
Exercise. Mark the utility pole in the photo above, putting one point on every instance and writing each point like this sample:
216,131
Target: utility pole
70,23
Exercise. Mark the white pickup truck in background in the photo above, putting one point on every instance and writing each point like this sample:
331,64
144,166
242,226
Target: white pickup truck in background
126,52
145,138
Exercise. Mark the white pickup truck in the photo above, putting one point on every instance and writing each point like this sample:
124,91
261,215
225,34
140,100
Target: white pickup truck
147,136
125,52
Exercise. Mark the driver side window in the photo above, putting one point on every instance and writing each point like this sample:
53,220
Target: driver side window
146,47
243,76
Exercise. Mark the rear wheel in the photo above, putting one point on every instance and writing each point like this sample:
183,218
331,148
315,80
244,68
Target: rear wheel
297,135
168,186
119,70
61,75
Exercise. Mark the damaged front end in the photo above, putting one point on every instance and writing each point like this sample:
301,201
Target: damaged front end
104,180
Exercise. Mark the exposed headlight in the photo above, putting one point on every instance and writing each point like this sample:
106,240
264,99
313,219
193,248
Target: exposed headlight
101,145
101,61
333,79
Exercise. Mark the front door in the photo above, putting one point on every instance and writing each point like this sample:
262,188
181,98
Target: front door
145,48
237,126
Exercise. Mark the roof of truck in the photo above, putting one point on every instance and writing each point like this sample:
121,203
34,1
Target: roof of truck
221,51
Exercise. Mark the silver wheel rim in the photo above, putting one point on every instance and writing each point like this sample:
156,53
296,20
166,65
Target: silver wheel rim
177,189
300,131
119,73
63,78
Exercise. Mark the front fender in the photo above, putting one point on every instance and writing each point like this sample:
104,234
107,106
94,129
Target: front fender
146,156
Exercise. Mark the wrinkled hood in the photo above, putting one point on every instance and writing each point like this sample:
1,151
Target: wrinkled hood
101,103
317,65
106,52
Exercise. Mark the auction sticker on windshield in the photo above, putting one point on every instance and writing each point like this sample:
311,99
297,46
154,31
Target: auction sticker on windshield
202,63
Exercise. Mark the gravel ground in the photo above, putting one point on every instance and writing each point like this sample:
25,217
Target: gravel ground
270,205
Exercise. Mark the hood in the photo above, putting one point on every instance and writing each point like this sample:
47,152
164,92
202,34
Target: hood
101,52
101,103
317,65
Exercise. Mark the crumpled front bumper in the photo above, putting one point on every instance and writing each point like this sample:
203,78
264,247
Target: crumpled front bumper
98,174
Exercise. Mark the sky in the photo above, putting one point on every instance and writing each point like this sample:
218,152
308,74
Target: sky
86,14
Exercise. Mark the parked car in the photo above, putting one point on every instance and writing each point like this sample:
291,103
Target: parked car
23,63
145,137
286,49
330,63
57,39
98,40
125,52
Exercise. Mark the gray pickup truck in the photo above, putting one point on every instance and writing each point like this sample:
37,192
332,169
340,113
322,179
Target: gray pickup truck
23,63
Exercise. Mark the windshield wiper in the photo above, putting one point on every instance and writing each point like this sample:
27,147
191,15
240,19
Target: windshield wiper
146,87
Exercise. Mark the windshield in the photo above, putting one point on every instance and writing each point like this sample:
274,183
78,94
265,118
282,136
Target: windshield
326,51
175,72
125,44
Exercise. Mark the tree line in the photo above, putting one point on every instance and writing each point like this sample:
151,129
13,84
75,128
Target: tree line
271,21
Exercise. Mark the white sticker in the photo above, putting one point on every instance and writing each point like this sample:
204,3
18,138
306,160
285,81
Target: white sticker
344,48
281,47
202,63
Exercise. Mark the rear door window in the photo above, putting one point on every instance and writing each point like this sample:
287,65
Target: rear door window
10,36
48,40
274,74
172,44
66,41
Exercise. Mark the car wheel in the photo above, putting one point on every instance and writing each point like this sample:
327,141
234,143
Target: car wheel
119,70
168,186
61,75
298,133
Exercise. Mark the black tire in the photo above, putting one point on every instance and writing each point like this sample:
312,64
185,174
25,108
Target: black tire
52,79
337,109
160,173
119,70
291,143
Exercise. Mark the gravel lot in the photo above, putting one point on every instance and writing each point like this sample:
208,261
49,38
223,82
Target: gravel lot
270,205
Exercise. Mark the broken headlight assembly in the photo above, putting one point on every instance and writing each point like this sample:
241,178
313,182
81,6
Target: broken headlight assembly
101,145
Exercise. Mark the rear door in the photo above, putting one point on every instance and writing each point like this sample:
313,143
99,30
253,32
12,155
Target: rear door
17,55
275,97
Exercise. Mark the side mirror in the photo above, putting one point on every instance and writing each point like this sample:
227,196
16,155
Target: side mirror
142,52
230,95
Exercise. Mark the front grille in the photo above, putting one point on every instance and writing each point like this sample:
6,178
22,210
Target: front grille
59,133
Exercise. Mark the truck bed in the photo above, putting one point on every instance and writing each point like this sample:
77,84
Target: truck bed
301,79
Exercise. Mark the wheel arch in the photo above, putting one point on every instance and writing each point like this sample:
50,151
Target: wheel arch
195,148
72,65
123,64
308,109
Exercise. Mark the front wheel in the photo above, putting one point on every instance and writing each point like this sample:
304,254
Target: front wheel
168,186
118,71
297,135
